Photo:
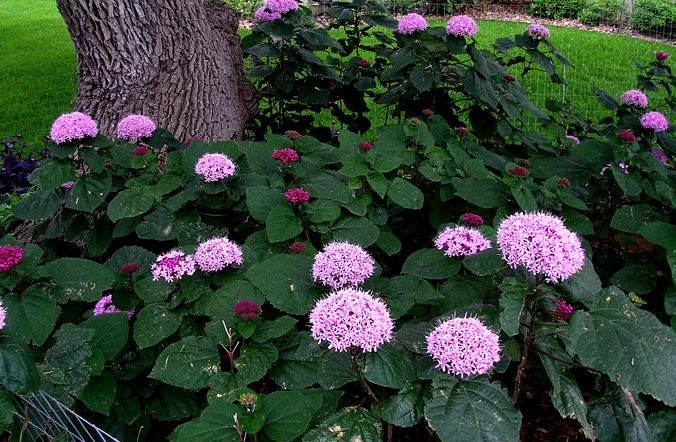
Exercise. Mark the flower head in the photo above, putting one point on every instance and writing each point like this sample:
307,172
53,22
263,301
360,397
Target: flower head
285,156
105,305
73,126
214,166
172,266
427,112
623,166
635,98
627,136
363,63
463,347
462,130
351,318
246,309
519,171
461,241
411,23
365,146
293,135
655,121
10,257
281,6
461,26
134,127
217,253
564,182
140,151
563,310
264,14
3,315
541,243
130,267
297,196
661,56
575,139
509,78
342,264
472,219
660,156
537,31
298,247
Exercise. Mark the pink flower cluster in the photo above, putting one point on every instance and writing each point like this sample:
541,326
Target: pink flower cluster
463,347
461,241
541,243
3,315
214,166
660,156
411,23
342,264
537,31
635,98
246,309
351,318
273,9
655,121
217,253
461,26
135,127
10,257
297,196
172,266
563,310
285,156
73,126
105,305
264,14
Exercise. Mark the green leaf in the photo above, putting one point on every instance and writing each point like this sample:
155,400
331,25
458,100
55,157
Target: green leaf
38,205
348,424
404,409
512,301
215,424
255,361
89,192
156,322
628,182
335,370
631,218
288,413
260,200
171,403
79,279
6,409
359,231
67,361
628,344
99,394
569,401
635,278
273,329
160,225
663,425
152,291
616,416
327,186
130,203
471,410
405,194
388,243
484,193
378,183
430,264
583,285
388,152
660,233
188,363
17,369
111,331
390,366
126,254
484,263
286,281
282,224
31,315
525,199
319,211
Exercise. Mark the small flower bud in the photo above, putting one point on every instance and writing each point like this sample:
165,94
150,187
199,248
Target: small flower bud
627,136
462,130
130,267
363,63
246,309
427,112
298,247
519,171
292,134
140,150
661,56
472,219
365,146
509,78
564,182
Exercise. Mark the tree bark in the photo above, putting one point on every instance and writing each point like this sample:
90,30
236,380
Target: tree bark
177,61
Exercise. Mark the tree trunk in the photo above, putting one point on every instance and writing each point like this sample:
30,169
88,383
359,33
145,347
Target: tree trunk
177,61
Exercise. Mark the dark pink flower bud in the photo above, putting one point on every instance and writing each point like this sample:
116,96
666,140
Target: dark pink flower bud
472,219
627,136
140,150
10,257
427,112
519,171
246,309
365,146
564,182
297,196
363,63
563,310
661,56
462,130
292,134
130,267
298,247
509,78
285,156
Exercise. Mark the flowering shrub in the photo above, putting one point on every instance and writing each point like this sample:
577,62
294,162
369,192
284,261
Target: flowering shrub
401,289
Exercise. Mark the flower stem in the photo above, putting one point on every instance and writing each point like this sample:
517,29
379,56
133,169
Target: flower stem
360,375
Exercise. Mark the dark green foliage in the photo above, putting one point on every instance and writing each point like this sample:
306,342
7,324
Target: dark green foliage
655,17
556,9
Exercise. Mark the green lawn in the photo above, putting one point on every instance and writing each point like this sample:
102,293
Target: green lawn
38,72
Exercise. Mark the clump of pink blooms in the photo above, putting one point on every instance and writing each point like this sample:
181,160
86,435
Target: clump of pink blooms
105,305
298,247
542,244
660,156
297,196
214,166
342,264
73,126
264,14
351,318
575,139
472,219
635,98
461,241
10,257
463,347
285,156
135,127
217,253
273,9
563,310
655,121
537,31
411,23
247,310
3,315
461,26
172,266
